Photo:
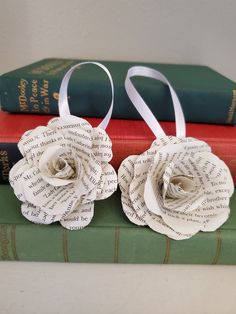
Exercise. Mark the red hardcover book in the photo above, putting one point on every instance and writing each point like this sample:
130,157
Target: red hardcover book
128,138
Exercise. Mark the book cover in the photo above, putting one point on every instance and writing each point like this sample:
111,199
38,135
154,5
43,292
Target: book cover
128,138
206,96
110,238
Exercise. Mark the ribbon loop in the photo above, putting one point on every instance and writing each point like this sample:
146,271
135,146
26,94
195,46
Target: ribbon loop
63,100
142,107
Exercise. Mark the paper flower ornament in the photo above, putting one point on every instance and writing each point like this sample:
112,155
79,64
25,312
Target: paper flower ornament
65,168
177,187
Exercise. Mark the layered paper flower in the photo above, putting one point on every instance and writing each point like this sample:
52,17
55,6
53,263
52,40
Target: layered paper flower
177,187
65,167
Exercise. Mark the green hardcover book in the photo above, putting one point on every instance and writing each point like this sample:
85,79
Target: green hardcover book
206,95
110,238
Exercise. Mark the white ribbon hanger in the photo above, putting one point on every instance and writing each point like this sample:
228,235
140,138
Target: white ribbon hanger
142,107
63,100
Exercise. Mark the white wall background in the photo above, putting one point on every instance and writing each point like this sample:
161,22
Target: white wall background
174,31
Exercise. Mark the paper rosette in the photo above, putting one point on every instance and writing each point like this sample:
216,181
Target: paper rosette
65,167
178,186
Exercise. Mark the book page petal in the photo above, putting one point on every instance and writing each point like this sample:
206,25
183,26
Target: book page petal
92,172
143,162
34,144
130,212
101,145
53,200
126,173
36,215
136,195
79,218
166,140
152,198
125,176
188,204
15,178
157,224
69,122
215,172
108,182
215,222
186,223
24,136
79,141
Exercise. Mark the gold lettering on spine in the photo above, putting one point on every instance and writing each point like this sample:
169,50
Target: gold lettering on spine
34,101
116,245
4,165
4,243
232,108
167,253
44,93
65,246
218,247
22,97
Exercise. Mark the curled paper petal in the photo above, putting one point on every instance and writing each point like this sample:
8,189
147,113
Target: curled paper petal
92,172
22,141
33,144
64,170
136,192
108,182
125,176
16,176
216,221
177,187
157,224
182,222
130,212
166,140
36,215
101,145
151,200
63,124
80,142
79,218
125,173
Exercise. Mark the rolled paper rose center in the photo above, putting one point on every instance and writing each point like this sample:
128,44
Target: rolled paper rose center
183,182
59,164
61,168
180,187
181,193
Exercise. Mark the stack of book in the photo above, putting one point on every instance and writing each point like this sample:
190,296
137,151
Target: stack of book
29,98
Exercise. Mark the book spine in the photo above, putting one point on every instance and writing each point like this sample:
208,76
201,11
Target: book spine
29,95
38,95
9,155
199,105
231,118
206,106
29,242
